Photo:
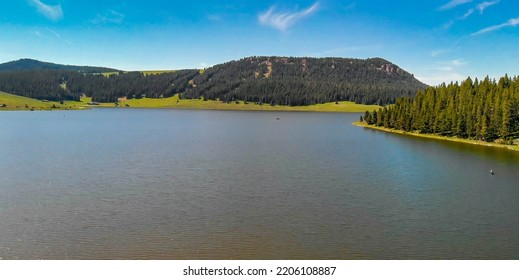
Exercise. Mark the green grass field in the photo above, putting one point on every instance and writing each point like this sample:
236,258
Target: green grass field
15,102
145,72
156,72
175,102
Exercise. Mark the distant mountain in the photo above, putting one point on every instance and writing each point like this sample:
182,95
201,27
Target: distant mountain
294,81
31,64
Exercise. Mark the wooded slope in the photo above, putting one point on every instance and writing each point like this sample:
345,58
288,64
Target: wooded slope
269,80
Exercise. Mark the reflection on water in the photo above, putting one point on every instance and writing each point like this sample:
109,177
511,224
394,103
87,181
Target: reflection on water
173,184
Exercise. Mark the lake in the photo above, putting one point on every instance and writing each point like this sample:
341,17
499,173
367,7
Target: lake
180,184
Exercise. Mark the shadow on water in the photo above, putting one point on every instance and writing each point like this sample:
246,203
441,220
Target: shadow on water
485,152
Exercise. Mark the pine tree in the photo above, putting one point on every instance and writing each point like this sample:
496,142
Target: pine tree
506,119
486,110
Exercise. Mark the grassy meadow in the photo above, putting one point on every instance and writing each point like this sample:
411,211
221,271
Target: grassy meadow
145,72
15,102
175,102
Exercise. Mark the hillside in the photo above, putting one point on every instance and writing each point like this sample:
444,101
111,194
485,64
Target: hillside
263,80
31,64
304,81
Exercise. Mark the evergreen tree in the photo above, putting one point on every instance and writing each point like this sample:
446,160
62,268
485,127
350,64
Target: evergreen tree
486,110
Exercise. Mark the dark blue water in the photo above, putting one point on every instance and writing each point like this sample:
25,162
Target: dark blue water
174,184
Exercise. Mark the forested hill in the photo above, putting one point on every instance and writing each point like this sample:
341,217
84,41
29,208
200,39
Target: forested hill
270,80
303,81
31,64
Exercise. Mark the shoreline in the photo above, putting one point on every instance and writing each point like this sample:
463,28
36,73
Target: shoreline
319,108
438,137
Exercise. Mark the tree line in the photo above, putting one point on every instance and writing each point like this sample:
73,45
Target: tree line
58,85
486,110
31,64
270,80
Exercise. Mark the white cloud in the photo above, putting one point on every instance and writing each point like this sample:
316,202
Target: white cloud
443,72
442,77
284,20
51,12
111,16
484,5
435,53
445,68
455,62
468,13
448,24
57,35
452,4
480,7
510,23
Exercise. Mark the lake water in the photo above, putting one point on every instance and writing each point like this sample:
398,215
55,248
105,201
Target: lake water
175,184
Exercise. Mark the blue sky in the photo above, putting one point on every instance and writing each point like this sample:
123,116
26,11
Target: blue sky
438,41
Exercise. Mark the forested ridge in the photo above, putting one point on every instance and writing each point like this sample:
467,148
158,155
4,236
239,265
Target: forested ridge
269,80
305,81
486,110
31,64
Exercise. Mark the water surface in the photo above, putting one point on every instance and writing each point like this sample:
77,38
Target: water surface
179,184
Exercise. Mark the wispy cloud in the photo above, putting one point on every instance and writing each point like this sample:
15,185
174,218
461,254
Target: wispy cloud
111,16
450,65
283,20
482,6
441,77
468,13
455,62
54,33
448,24
443,72
439,52
510,23
452,4
57,35
51,12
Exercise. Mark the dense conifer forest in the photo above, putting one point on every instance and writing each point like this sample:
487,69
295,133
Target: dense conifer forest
305,81
483,110
31,64
266,80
